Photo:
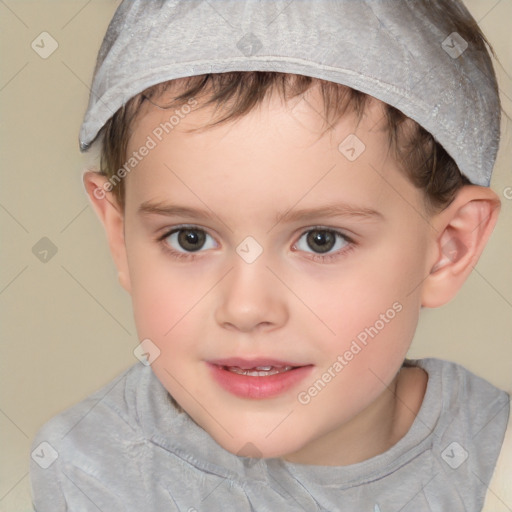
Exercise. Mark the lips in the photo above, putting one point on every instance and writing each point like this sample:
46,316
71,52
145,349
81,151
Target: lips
257,378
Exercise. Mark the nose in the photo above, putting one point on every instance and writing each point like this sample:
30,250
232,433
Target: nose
251,299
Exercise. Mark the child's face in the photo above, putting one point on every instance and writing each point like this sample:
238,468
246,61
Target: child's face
345,316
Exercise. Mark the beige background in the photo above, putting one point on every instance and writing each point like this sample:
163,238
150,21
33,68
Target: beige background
66,324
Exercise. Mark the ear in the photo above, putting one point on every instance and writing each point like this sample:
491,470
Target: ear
461,232
111,215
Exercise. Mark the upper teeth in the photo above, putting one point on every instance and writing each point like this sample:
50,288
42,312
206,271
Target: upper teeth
259,371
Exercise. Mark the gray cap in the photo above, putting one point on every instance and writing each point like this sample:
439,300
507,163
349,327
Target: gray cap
405,53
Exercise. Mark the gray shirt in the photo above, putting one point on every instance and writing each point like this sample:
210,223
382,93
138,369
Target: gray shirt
128,448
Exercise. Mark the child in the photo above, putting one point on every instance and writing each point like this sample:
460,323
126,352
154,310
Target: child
284,187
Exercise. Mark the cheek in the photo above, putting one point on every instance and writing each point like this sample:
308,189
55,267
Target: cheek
358,294
371,309
370,328
162,294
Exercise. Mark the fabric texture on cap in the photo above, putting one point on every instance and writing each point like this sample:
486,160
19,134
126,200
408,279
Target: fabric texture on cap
389,49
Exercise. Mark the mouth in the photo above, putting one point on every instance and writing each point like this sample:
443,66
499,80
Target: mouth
257,378
259,371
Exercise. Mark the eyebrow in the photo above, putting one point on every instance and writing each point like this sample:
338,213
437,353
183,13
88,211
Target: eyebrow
291,215
171,210
329,210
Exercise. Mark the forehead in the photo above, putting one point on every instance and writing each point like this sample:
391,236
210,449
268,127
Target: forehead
275,155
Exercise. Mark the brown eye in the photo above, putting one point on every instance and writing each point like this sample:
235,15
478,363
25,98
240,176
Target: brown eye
321,240
191,239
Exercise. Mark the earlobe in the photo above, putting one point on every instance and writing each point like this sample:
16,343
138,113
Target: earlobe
112,218
462,230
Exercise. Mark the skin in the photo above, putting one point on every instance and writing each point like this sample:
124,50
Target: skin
288,304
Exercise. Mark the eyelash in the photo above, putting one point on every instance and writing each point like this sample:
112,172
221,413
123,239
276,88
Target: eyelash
191,256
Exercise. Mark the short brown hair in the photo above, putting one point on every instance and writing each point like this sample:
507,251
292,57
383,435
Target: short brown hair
420,156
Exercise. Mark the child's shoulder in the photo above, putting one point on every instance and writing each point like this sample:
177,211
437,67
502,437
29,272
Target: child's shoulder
468,418
85,421
463,398
93,440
